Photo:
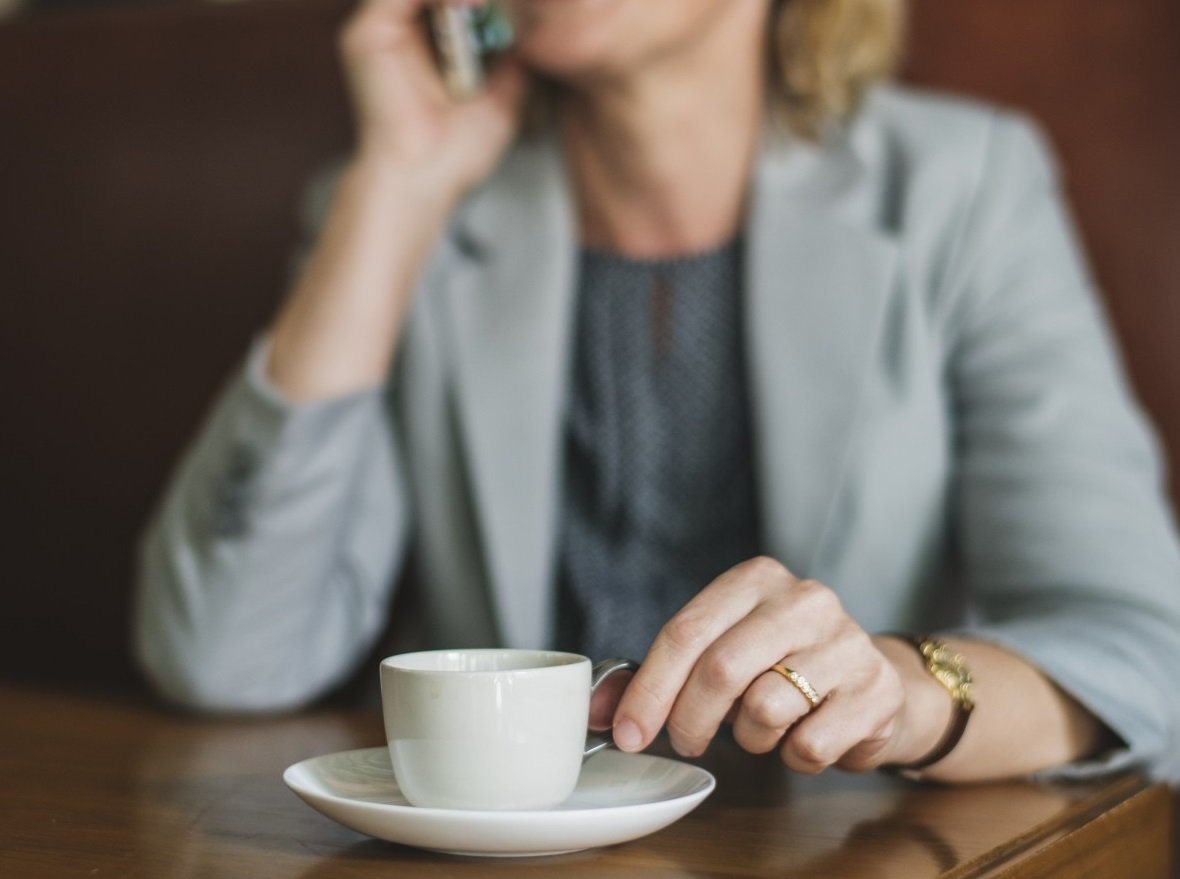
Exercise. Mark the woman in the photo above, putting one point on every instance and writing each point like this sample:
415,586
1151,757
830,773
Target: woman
743,361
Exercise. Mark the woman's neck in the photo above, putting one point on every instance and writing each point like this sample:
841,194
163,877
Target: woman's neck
660,160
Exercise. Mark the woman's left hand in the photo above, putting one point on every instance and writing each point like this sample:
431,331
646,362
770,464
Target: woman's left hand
712,662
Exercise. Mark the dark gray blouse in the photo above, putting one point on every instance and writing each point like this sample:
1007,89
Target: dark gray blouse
659,487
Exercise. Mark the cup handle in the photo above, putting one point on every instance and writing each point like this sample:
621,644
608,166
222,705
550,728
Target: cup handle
596,741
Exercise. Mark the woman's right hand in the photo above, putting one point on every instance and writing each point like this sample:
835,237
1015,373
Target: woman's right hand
418,151
404,115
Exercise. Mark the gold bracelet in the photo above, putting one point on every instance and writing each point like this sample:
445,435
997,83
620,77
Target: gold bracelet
950,670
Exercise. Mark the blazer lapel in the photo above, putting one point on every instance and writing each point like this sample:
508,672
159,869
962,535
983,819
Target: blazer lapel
511,308
818,277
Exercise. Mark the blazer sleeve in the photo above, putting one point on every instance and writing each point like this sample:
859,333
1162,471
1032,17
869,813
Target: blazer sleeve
1068,544
265,574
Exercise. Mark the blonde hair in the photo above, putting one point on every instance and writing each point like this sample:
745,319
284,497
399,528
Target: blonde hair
825,54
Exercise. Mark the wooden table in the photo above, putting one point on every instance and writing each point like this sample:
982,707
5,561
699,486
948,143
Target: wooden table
93,786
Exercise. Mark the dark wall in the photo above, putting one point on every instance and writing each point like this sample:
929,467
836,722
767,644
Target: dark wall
150,160
150,164
1104,77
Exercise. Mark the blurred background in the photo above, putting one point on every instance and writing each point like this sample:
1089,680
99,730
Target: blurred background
152,154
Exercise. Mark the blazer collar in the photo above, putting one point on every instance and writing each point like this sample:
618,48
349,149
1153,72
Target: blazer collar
817,275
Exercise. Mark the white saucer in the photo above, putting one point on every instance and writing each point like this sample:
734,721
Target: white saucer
619,797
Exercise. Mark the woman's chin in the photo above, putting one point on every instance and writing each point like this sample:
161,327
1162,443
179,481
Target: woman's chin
564,39
569,66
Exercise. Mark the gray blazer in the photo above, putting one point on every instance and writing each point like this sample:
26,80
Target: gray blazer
942,435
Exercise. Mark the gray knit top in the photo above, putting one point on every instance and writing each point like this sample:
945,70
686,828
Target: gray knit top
659,485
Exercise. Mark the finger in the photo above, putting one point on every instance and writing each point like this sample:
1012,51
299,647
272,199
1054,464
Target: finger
726,670
496,108
652,693
795,616
390,69
605,699
388,27
851,715
384,17
870,753
732,714
771,706
506,83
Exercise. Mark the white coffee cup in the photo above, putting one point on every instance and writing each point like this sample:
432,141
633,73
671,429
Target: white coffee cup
490,729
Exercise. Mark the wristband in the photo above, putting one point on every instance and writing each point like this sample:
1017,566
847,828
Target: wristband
950,670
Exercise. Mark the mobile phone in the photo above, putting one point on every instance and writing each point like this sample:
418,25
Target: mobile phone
465,40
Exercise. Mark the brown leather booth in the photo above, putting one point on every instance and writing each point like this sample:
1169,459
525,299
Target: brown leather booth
150,162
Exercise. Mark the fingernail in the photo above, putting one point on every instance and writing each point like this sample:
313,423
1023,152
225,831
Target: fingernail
627,736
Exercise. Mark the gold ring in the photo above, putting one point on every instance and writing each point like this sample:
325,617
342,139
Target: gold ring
800,683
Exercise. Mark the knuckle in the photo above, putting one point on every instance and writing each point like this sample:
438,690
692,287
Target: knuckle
764,566
687,630
864,662
856,639
792,760
865,756
881,683
721,670
753,742
817,600
765,710
811,749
